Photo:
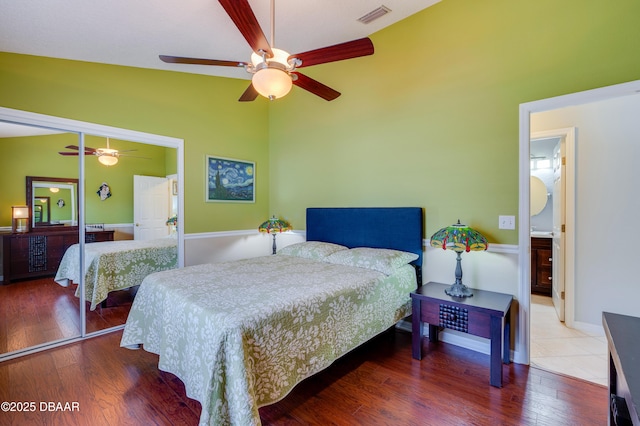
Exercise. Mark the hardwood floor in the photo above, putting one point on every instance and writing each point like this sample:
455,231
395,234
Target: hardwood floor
37,311
377,384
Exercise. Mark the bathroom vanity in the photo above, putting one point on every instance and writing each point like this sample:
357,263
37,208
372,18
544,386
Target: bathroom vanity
541,265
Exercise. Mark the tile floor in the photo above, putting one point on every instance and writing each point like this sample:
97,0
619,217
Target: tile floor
557,348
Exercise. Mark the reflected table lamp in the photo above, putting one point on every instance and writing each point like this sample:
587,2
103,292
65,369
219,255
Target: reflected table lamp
459,238
19,218
274,226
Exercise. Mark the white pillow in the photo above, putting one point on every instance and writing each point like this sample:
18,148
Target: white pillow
317,250
382,260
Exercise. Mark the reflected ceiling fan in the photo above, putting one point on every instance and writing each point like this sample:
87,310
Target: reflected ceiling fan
106,156
274,70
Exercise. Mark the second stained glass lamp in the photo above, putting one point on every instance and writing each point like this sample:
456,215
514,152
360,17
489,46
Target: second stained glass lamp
459,238
274,226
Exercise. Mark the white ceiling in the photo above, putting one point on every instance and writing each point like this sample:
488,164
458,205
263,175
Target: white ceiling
135,32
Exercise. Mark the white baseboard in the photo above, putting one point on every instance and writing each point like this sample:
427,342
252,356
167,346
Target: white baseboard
590,329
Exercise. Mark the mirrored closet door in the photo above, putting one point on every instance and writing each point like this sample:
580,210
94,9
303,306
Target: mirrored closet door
65,270
133,205
34,310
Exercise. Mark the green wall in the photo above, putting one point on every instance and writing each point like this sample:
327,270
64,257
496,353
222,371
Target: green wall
202,110
38,156
119,207
431,119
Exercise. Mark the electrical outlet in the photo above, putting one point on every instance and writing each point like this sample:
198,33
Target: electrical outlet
506,222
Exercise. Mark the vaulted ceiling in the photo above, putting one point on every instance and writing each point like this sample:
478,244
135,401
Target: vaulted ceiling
135,32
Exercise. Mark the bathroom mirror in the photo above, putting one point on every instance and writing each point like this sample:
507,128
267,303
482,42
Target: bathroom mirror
539,195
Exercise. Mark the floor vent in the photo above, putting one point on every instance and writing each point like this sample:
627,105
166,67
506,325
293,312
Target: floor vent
374,14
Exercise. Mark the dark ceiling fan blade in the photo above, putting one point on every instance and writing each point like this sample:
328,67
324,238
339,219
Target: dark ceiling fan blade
337,52
241,14
249,95
87,150
199,61
68,153
315,87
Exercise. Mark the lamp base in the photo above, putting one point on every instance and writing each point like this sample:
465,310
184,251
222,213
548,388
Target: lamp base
274,244
459,290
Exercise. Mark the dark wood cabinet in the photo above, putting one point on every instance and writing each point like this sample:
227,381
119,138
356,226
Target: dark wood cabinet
541,266
38,254
98,236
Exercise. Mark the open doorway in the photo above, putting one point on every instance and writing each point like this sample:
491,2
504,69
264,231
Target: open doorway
552,164
607,142
554,344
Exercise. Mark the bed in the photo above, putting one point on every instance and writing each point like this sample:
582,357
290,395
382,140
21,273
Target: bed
116,265
242,334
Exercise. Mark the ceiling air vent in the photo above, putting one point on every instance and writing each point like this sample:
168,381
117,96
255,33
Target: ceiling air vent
374,14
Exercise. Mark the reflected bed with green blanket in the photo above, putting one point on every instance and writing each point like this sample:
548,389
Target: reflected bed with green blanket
116,265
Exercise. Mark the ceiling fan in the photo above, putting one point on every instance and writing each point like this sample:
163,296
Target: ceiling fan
274,70
106,156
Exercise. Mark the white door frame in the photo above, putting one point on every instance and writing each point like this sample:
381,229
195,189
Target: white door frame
524,241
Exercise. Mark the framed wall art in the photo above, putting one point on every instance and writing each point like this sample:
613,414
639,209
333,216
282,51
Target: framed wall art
230,180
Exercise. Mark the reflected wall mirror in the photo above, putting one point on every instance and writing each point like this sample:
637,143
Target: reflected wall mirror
538,194
39,193
40,210
70,213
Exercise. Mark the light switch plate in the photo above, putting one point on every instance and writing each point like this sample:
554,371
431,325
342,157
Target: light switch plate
506,222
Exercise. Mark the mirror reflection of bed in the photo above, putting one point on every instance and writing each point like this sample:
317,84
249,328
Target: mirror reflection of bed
111,281
35,310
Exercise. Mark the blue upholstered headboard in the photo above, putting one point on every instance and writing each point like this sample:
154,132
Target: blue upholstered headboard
399,228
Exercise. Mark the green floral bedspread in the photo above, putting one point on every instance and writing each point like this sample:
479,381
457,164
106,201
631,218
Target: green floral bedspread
116,265
242,334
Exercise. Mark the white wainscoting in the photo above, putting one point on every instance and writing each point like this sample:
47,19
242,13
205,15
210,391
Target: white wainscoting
213,247
123,231
494,270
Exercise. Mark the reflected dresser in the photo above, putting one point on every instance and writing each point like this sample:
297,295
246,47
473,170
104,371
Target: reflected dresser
38,254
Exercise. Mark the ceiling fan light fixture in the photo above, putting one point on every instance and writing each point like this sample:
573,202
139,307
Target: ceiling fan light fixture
107,156
272,82
107,160
279,56
271,76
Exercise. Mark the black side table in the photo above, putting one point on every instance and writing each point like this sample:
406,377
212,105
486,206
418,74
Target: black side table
485,314
623,338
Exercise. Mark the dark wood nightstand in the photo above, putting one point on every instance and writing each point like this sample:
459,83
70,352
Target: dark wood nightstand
485,314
